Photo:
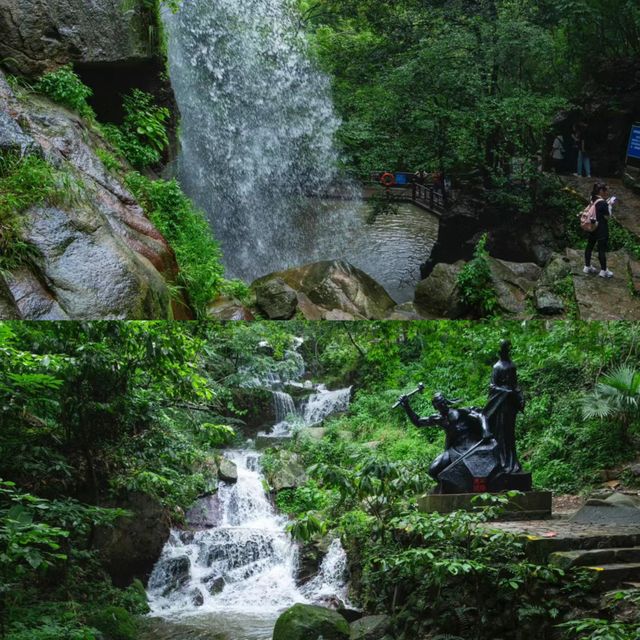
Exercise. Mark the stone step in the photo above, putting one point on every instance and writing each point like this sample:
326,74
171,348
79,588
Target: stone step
617,574
593,557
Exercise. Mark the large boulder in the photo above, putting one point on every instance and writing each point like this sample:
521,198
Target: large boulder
276,299
36,35
308,622
228,471
98,255
333,290
130,548
514,282
438,296
288,472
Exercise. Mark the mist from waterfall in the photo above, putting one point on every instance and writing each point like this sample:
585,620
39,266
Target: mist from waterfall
257,131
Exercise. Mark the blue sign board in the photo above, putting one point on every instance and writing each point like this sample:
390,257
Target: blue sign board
634,143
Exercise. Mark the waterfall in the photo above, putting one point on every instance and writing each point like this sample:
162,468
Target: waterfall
324,403
257,130
237,575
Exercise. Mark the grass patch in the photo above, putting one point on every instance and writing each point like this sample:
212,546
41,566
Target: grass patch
188,232
24,182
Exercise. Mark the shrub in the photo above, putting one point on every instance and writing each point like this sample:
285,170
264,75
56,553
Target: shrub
142,137
476,284
188,232
66,88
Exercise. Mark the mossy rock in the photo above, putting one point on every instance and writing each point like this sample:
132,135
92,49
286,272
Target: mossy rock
115,623
309,622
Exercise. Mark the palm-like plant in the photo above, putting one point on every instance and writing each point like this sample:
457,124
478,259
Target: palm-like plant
616,396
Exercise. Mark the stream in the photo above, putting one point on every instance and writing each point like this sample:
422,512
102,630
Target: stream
233,571
257,139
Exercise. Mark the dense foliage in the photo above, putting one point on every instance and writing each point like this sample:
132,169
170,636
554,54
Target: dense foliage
92,412
460,85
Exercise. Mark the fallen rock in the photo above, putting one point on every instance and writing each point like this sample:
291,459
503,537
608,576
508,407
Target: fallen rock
370,628
276,299
407,312
309,622
439,295
228,471
205,513
557,269
214,584
334,290
176,573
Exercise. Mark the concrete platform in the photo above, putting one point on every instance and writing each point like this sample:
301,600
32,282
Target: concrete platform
534,505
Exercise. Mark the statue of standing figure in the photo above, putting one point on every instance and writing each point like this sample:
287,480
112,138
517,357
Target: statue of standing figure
505,402
480,444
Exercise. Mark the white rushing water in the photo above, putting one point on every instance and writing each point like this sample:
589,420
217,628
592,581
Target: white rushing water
257,126
238,575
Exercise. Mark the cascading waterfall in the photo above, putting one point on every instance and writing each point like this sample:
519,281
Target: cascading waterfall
257,129
323,403
237,576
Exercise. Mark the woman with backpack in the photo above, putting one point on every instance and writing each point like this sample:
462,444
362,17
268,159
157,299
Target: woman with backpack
600,235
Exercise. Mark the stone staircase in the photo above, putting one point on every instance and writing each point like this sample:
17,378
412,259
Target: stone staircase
611,551
617,567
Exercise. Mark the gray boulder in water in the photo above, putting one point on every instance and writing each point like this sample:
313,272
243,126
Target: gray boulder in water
304,621
333,290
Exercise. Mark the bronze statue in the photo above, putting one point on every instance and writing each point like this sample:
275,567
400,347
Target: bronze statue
480,444
469,446
505,402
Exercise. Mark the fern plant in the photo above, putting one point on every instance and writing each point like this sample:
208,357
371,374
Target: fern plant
616,396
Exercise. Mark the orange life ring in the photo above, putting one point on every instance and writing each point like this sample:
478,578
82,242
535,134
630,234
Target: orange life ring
387,179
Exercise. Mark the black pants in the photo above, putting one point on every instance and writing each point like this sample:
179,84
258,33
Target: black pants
603,245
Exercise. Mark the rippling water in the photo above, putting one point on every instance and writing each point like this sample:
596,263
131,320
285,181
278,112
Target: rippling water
390,250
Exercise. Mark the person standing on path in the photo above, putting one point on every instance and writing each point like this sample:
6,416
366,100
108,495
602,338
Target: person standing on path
584,161
601,234
558,153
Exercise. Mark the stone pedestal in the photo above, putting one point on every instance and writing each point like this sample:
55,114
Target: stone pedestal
534,505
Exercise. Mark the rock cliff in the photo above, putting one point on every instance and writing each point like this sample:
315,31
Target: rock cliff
96,256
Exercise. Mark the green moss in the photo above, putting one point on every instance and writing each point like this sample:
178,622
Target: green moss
188,232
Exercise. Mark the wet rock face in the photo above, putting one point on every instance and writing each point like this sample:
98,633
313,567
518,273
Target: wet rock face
329,290
36,35
98,256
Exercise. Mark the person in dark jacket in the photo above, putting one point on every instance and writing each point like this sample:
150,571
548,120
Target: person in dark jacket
601,235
